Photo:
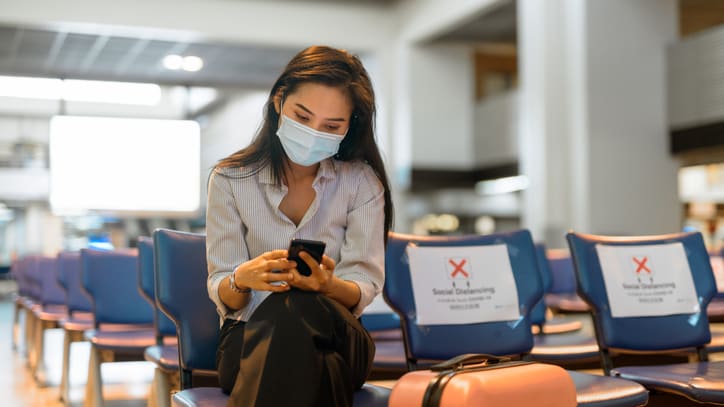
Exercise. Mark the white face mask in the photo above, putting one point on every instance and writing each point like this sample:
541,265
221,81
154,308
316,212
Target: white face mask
304,145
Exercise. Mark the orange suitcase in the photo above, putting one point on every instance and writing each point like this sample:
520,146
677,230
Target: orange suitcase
484,380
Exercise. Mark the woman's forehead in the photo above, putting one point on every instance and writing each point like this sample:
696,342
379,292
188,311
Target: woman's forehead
322,99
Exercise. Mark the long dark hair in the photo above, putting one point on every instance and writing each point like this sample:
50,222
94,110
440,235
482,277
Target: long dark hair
331,67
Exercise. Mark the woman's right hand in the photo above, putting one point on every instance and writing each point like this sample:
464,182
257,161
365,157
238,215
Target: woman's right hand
260,272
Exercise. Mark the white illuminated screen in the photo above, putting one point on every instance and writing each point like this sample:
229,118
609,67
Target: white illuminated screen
119,165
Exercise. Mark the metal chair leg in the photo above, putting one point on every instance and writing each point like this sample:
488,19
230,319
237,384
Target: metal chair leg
94,387
65,373
16,325
160,389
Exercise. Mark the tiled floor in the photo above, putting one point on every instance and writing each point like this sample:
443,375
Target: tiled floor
126,384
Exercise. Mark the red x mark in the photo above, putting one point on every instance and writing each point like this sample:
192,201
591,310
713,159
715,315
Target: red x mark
641,265
458,268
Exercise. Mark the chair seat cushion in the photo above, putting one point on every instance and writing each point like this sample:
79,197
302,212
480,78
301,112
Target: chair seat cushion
371,395
558,325
717,338
564,347
387,335
390,354
77,323
604,391
703,382
200,397
165,356
52,313
566,302
368,395
122,341
715,309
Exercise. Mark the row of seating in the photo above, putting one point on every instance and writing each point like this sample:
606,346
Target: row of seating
172,322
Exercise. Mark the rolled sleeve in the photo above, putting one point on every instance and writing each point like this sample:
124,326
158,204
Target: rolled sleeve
225,245
363,252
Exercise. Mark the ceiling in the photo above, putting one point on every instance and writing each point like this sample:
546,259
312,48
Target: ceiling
136,57
49,53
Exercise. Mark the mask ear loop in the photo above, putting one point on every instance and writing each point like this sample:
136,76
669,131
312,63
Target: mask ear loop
280,114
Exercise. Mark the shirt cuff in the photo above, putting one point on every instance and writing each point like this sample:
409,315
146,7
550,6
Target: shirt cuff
213,287
367,294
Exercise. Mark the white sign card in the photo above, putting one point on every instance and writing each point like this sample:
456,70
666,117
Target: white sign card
647,280
462,284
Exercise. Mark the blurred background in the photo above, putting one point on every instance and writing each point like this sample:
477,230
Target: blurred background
599,116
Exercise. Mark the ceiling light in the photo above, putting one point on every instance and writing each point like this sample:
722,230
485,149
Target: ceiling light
192,63
173,62
148,94
33,88
189,63
126,93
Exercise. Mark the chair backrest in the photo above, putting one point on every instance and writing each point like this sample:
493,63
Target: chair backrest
33,277
69,270
446,341
51,292
648,333
111,279
181,274
538,313
560,265
147,285
20,271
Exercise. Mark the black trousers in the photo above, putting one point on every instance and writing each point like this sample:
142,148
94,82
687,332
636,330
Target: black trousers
298,348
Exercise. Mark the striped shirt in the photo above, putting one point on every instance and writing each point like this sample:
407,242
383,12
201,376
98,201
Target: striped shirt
243,220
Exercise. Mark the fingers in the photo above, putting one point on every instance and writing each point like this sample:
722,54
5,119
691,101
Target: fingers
281,264
269,277
311,261
275,254
278,288
328,263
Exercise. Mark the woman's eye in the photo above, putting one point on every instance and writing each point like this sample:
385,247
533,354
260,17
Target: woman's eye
332,128
302,118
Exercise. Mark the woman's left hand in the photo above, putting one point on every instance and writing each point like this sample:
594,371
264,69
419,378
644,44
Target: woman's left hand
322,277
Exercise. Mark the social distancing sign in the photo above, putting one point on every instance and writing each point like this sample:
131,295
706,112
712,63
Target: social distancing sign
647,280
462,284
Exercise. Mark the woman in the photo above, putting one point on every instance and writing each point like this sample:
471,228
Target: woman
313,172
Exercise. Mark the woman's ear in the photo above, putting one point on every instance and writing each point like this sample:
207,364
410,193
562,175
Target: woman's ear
278,103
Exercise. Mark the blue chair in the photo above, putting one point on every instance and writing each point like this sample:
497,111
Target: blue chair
539,317
30,303
562,339
48,311
383,325
23,300
715,310
80,316
164,354
701,381
503,338
562,296
122,319
181,274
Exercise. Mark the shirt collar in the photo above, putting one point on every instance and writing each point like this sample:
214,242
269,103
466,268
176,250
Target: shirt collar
327,169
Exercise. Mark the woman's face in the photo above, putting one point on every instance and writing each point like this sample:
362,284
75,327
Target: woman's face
321,107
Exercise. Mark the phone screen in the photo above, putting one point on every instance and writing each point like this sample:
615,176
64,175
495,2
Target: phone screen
315,248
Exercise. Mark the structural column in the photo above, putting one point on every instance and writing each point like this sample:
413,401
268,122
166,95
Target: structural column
593,135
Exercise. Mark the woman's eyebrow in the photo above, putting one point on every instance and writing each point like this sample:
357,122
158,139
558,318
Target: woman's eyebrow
335,119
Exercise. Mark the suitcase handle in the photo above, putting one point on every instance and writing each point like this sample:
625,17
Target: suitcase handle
459,362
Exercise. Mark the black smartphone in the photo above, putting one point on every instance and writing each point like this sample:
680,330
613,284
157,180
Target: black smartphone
315,248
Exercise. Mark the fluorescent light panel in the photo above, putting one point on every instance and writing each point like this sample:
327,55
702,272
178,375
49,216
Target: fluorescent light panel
127,93
120,165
